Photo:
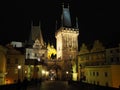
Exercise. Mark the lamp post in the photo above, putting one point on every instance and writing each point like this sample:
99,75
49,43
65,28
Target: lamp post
67,75
19,67
43,74
80,72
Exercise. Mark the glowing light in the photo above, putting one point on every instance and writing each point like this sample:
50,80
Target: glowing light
39,59
43,71
51,50
67,72
47,72
25,71
19,66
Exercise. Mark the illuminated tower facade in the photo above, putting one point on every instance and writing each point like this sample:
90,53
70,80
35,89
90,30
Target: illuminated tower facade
67,45
67,38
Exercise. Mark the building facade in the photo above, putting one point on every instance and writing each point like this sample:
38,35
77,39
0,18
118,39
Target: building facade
67,44
2,64
99,65
15,65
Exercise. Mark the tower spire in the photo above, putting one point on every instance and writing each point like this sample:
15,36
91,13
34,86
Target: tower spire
76,22
65,17
62,5
30,40
62,19
56,25
68,5
41,37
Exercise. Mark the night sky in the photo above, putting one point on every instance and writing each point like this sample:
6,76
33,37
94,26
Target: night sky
96,20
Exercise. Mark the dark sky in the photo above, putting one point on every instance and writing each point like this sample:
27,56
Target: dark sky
96,20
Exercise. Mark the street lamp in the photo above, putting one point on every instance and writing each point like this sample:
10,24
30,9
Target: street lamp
43,74
67,75
19,67
80,72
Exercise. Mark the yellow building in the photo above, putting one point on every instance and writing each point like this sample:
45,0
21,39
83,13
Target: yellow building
93,57
104,75
15,65
35,54
2,64
98,65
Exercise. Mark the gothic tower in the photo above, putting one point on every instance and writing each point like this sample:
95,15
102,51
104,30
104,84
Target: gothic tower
67,37
67,45
36,33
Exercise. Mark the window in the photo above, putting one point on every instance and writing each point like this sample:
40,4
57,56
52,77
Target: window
35,54
8,61
90,73
106,74
106,84
111,51
97,73
87,57
93,73
117,59
97,82
28,55
117,50
16,61
43,55
111,59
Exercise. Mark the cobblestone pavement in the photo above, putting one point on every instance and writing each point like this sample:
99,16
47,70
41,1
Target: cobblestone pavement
53,85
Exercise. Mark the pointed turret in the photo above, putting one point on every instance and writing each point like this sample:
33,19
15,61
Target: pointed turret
76,22
65,17
41,37
36,33
30,40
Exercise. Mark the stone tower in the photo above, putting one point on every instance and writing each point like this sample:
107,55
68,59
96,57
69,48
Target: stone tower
67,45
66,38
36,33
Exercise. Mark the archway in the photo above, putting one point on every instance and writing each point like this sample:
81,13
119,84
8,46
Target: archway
55,72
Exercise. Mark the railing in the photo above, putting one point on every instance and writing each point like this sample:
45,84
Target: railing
21,85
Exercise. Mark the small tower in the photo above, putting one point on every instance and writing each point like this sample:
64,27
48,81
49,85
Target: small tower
35,34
